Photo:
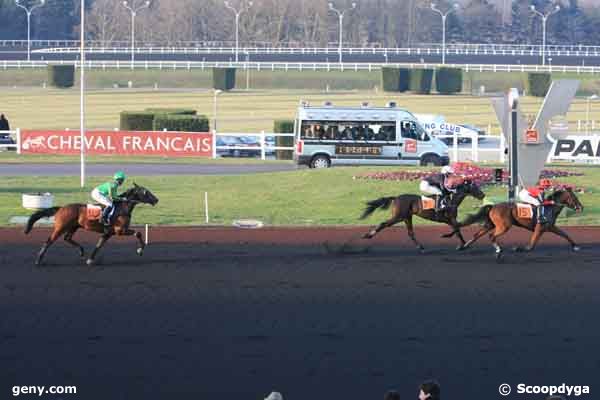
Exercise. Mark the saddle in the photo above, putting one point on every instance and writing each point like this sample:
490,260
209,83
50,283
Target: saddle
93,212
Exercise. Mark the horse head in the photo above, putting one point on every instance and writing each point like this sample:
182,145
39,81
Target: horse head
566,197
471,188
140,194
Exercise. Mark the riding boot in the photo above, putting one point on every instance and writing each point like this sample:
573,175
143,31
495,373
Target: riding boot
106,215
542,215
441,202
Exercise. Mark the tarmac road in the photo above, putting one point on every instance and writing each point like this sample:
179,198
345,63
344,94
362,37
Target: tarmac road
202,320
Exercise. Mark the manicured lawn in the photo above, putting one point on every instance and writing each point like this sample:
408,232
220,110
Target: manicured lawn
241,111
303,197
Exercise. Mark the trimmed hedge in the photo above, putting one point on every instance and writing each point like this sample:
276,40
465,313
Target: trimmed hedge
395,79
171,111
181,123
136,121
284,126
224,78
538,83
448,80
420,80
61,76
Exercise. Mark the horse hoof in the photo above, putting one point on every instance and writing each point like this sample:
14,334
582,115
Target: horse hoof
89,262
421,250
139,251
518,249
460,247
576,248
499,256
366,236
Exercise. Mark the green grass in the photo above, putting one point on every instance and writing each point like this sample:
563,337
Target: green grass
239,111
12,158
303,197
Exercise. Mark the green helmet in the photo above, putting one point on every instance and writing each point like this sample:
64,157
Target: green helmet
119,176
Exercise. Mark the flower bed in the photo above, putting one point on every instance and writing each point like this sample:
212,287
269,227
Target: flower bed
480,175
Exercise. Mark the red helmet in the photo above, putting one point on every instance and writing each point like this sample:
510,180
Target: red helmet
545,183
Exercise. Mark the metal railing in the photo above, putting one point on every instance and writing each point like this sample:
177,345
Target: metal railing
298,66
16,137
504,50
260,147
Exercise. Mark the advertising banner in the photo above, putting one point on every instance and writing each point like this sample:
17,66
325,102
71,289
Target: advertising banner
130,143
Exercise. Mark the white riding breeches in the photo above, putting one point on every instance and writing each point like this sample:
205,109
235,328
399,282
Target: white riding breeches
426,187
525,197
100,198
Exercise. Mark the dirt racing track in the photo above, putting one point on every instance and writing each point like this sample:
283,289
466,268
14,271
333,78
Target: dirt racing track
226,313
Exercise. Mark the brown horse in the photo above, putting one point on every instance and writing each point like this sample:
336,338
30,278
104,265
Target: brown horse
405,206
501,217
68,219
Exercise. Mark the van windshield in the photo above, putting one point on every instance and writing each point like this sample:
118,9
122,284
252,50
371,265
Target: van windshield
384,131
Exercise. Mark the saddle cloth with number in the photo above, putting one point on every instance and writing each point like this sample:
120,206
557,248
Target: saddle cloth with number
93,212
427,203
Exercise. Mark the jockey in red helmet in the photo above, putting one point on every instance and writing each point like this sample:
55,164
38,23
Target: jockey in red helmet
536,196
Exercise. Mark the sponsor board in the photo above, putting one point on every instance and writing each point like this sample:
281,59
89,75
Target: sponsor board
576,148
171,144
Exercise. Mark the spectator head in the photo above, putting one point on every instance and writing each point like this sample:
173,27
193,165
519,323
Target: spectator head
391,395
274,396
429,390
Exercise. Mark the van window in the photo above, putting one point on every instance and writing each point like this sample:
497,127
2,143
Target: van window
348,130
412,130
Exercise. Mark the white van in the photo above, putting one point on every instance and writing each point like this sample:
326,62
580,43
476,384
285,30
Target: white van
365,135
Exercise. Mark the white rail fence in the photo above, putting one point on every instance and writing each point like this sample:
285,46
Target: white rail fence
297,66
15,137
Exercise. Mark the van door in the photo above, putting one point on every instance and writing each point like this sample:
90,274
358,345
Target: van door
382,143
409,145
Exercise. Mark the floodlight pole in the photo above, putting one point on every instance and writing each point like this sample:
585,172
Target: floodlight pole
587,113
544,20
237,27
215,108
82,93
513,102
444,16
134,12
341,23
29,11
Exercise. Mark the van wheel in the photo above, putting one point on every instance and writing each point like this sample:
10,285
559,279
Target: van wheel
320,162
431,160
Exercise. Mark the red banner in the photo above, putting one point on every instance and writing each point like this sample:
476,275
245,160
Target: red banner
171,144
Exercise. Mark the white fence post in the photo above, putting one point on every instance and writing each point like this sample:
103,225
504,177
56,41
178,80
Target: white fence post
455,146
262,146
502,147
18,140
474,146
214,147
206,206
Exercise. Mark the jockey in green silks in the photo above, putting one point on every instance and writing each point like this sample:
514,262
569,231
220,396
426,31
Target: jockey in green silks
106,193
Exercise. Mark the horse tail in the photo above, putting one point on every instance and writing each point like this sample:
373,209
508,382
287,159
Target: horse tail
480,216
383,203
45,213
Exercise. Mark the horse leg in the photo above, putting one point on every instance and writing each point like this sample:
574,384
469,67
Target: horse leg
557,231
138,236
476,237
494,237
535,237
385,224
51,239
103,239
69,239
411,234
